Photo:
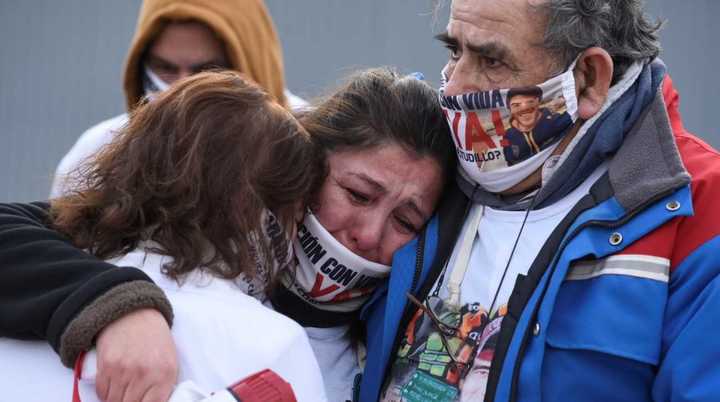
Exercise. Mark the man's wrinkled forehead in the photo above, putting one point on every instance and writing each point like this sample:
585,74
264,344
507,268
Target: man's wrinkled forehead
490,20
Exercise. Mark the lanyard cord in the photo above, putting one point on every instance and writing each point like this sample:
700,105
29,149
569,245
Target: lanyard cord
512,253
463,259
462,263
456,289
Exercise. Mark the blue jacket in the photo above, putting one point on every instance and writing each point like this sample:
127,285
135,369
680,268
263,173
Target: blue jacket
622,302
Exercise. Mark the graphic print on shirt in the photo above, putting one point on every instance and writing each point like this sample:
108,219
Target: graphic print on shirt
424,369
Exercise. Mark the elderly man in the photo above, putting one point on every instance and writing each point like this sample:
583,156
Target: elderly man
585,271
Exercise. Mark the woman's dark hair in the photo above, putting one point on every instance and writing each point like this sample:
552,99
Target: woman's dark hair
194,170
377,107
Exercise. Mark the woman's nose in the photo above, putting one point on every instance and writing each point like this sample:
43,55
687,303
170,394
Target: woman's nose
367,235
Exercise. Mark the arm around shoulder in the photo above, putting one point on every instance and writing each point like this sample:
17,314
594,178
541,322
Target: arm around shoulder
49,287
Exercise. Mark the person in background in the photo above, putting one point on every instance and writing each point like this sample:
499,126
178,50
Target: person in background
175,39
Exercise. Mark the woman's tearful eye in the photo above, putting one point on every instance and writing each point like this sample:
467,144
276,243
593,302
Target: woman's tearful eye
357,196
405,225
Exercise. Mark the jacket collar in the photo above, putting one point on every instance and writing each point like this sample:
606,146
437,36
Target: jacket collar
648,164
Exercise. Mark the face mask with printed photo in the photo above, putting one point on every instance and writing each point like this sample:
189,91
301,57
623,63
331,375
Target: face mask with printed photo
502,136
330,276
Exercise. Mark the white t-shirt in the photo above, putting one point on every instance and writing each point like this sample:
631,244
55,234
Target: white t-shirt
337,358
423,368
493,245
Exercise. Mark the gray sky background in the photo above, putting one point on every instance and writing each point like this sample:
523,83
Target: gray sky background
61,65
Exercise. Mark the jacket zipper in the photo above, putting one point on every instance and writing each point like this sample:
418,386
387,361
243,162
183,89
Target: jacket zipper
419,254
409,307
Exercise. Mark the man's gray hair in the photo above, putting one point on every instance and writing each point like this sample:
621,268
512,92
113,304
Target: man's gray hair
621,27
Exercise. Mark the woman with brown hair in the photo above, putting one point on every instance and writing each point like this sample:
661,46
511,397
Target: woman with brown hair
370,175
195,171
189,194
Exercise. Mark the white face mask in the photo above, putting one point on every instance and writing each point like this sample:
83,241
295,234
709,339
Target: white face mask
503,136
329,276
153,84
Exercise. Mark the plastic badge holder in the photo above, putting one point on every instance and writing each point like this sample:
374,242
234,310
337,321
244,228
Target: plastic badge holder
265,386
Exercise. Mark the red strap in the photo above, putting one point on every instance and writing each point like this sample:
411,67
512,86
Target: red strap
264,386
77,374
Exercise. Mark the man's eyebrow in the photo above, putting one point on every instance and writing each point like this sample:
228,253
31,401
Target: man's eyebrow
218,63
494,50
445,38
157,59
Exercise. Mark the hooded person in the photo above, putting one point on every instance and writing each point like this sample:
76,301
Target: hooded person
178,38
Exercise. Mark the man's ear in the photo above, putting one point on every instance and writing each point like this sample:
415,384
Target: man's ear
593,76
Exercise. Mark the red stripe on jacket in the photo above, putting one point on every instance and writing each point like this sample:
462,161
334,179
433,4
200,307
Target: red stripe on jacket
678,238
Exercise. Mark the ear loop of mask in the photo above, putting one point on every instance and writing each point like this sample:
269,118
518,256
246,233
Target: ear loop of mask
155,80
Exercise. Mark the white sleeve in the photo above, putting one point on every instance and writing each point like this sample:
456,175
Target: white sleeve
86,146
295,102
188,391
298,366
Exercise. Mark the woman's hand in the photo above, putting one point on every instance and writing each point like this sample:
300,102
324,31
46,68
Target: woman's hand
136,359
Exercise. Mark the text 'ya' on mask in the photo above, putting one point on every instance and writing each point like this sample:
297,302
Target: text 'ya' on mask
502,136
330,276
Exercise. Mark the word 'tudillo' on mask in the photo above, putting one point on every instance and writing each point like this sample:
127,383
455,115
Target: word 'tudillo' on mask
502,136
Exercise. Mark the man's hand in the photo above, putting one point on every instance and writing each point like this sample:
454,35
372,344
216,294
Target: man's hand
137,361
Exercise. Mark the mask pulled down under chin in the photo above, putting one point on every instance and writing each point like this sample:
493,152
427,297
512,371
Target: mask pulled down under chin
328,275
502,136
